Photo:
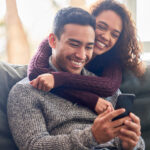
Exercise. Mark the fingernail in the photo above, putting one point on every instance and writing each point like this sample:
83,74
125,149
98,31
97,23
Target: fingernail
121,130
131,114
126,121
124,109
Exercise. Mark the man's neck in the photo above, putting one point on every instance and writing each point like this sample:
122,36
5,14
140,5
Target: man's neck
52,64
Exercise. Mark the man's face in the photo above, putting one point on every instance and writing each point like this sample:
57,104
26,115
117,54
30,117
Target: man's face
74,49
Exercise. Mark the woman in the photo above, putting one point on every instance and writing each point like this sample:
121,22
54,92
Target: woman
116,48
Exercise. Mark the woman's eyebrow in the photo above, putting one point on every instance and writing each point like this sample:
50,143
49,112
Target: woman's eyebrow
101,22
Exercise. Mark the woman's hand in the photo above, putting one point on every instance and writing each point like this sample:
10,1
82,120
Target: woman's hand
44,82
102,105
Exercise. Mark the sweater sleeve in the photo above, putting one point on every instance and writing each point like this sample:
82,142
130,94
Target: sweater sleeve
105,85
39,63
140,145
28,125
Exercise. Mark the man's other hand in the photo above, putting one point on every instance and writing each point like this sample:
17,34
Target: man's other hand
130,133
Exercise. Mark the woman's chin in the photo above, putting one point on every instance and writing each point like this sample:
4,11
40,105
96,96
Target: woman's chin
98,51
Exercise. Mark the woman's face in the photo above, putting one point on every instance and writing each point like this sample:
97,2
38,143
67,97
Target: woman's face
108,30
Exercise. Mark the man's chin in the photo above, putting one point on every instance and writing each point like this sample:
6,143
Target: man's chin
75,71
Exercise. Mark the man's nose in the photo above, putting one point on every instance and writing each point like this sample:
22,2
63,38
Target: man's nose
81,53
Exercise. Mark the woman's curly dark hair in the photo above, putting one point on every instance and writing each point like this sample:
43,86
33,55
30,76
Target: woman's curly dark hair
127,49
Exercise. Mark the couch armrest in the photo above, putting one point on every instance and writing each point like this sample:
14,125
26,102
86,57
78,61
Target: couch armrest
9,75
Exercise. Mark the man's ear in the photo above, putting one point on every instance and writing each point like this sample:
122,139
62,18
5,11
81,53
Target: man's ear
52,40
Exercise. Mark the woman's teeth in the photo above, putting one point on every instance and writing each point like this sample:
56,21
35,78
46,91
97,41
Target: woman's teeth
101,44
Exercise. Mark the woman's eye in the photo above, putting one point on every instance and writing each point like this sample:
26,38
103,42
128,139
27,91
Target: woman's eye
101,27
115,35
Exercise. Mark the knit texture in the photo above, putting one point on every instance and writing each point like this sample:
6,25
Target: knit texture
77,86
43,121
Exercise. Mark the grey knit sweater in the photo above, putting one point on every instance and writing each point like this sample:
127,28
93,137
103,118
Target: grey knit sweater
43,121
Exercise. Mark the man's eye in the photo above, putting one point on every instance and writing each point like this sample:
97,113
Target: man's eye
89,47
74,45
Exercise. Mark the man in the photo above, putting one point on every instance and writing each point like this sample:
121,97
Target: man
40,120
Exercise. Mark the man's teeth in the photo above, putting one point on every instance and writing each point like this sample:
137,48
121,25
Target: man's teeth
101,44
77,63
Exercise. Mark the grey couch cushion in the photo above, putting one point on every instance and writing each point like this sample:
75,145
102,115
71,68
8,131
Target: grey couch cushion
9,75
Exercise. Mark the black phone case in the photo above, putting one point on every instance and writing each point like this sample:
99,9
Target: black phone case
125,101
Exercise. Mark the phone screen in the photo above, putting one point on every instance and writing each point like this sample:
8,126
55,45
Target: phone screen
125,101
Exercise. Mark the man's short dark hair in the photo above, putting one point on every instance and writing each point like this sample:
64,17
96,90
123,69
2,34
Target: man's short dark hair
71,15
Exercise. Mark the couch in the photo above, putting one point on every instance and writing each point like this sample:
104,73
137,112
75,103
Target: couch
10,74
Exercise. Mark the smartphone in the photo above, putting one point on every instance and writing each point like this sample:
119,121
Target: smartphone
126,101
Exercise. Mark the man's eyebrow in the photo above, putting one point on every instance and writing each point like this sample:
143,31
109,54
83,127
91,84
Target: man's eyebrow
74,40
101,22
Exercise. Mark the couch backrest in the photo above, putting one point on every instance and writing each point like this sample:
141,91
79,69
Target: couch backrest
131,83
141,87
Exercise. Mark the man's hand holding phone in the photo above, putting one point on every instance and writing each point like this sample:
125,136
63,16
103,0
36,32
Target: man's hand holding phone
104,129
